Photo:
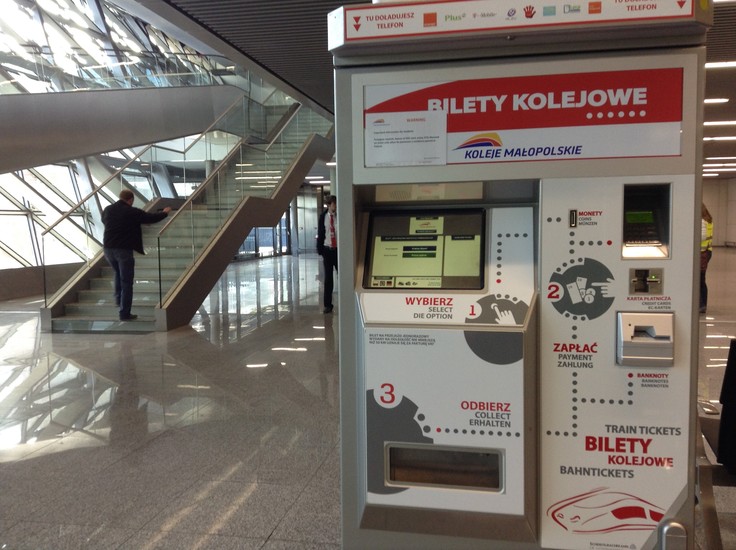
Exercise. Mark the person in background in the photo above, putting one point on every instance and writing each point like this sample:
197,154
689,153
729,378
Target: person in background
706,252
327,248
122,236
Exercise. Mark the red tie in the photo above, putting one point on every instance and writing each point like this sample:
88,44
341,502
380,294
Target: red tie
333,235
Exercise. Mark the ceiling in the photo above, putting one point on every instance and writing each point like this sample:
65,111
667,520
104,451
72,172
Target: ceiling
289,38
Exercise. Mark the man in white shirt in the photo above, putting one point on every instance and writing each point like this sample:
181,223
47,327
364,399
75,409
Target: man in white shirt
327,248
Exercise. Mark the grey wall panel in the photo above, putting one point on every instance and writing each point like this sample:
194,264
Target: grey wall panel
29,281
38,129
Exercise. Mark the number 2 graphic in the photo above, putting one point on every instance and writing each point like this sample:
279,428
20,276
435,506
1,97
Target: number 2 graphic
554,293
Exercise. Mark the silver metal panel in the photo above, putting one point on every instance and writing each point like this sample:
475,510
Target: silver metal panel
38,129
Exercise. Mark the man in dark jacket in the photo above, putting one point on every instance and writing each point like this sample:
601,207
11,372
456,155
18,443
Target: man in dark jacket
327,248
122,236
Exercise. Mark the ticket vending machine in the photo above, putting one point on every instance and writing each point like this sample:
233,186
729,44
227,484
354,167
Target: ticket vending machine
518,220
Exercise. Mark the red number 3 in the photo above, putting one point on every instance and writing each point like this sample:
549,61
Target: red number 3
388,396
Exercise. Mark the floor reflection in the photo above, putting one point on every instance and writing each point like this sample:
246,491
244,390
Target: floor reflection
223,432
251,294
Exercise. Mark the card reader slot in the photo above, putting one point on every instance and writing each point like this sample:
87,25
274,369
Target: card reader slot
649,332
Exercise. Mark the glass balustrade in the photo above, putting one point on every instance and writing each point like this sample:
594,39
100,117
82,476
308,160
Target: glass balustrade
251,170
244,153
68,46
30,69
53,213
77,236
74,236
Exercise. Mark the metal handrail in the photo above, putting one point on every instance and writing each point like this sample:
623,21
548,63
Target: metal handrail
201,189
94,192
208,181
136,158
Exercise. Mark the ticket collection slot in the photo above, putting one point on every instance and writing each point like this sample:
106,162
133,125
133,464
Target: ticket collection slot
444,467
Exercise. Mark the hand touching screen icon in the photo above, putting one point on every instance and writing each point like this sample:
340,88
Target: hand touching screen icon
504,317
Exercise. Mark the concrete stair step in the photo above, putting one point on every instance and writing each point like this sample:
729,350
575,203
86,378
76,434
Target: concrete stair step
179,235
233,197
104,297
109,310
147,273
177,245
106,284
150,262
98,323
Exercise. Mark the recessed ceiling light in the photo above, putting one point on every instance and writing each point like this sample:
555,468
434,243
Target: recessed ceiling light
259,172
721,65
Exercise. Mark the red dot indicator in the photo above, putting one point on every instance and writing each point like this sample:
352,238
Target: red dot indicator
439,430
498,281
609,243
631,375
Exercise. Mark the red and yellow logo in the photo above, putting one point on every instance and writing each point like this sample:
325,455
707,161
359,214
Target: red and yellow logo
487,139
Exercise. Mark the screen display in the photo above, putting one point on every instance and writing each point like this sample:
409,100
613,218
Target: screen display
425,250
641,228
646,216
646,220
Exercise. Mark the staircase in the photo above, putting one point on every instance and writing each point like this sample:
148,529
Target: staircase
94,308
247,203
187,253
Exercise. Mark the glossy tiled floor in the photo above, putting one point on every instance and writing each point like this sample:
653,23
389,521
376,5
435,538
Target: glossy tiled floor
717,329
222,434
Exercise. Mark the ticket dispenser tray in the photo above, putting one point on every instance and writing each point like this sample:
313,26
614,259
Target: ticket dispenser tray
645,339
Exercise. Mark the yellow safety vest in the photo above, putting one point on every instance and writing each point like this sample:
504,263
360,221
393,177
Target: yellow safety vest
707,236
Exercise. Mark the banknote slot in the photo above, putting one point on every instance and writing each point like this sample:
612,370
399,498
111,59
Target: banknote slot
645,339
444,467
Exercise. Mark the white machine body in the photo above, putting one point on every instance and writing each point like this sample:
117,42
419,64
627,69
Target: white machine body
516,302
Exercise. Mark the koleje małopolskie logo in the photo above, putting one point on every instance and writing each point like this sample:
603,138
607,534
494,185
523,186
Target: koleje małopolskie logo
487,139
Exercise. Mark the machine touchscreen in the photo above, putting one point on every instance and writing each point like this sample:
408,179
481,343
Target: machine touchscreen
425,250
646,220
641,228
